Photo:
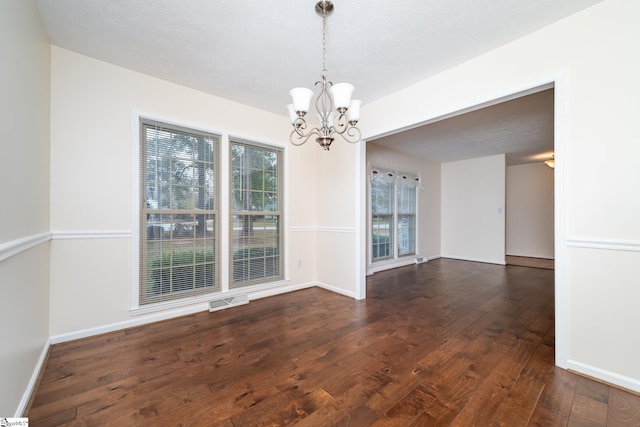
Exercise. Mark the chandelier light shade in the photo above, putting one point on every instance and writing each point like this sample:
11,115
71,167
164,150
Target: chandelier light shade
337,113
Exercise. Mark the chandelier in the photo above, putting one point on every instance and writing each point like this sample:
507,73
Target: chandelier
333,99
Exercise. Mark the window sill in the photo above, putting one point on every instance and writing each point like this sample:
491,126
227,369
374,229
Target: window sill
392,263
204,299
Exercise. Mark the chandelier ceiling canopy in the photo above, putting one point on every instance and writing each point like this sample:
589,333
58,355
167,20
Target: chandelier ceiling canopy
336,112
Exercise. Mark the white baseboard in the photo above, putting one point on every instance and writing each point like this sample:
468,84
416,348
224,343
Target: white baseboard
138,321
182,311
336,290
606,376
33,381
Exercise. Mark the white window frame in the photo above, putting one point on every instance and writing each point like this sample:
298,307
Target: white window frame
395,260
177,226
199,303
281,203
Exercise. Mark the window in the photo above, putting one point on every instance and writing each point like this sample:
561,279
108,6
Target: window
256,214
178,212
382,207
393,214
406,214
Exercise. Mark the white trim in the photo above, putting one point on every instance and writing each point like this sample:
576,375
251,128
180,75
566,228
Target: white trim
312,229
336,229
279,290
284,201
14,247
393,263
623,381
368,256
134,278
302,229
33,381
361,247
612,245
224,202
183,311
183,302
175,303
103,329
73,235
336,290
560,212
377,268
265,143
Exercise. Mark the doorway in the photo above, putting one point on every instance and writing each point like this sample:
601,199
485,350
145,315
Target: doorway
557,88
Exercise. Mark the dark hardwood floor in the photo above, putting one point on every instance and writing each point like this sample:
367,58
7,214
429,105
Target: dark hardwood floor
441,343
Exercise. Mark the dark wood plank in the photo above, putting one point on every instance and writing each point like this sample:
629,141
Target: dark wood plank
623,409
587,411
554,406
442,343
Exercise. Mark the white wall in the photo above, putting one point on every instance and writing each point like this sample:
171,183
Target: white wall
93,130
24,186
593,58
336,216
593,54
530,212
428,197
473,205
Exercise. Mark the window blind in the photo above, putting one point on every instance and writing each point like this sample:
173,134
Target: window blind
382,208
256,237
393,213
179,220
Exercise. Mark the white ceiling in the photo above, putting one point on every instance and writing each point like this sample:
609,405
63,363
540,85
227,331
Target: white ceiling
254,51
522,128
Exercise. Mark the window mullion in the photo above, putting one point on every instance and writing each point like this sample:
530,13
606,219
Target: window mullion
224,211
395,218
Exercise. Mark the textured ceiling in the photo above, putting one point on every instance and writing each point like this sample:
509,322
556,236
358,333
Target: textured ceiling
522,128
254,51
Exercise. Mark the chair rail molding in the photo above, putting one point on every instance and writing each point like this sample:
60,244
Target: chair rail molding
90,234
14,247
606,244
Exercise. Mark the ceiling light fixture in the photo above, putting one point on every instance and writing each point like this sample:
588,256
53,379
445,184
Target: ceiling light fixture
331,96
551,162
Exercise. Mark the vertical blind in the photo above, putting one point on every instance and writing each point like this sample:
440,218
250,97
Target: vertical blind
179,230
